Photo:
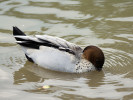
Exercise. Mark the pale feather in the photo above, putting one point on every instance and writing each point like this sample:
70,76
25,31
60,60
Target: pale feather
54,59
61,43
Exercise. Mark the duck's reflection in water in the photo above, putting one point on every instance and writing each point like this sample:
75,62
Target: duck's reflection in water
34,73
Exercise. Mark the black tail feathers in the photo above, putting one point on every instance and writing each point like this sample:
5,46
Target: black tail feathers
16,32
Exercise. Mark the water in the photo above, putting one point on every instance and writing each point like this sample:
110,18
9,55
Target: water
107,24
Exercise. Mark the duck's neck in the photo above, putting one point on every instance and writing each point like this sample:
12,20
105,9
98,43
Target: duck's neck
84,66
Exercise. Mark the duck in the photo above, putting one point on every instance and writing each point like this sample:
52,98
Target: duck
57,54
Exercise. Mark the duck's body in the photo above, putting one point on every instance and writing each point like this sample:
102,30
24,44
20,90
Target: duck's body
54,59
54,53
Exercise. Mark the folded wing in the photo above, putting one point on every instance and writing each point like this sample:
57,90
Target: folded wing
45,40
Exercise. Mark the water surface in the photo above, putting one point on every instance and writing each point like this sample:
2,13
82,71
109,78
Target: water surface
107,24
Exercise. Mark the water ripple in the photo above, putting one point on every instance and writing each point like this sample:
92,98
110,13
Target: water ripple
63,2
68,14
10,21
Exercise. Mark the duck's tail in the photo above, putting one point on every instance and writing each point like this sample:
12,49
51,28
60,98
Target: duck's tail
17,32
21,40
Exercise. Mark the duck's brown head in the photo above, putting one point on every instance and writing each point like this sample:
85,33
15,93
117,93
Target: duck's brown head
95,56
